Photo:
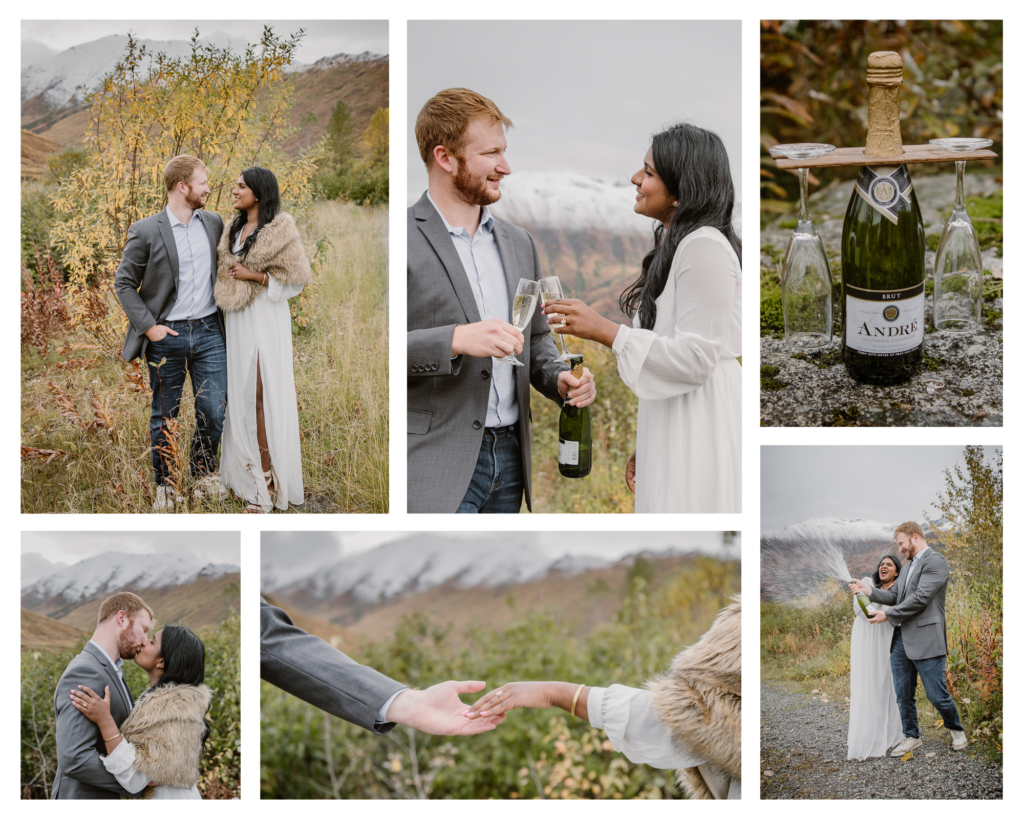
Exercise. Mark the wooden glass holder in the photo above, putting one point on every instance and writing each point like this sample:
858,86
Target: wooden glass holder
912,154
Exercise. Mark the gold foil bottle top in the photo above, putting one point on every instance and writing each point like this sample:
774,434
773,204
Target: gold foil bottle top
885,75
576,365
885,68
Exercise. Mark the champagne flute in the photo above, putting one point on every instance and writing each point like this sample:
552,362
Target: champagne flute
523,305
551,289
806,276
958,276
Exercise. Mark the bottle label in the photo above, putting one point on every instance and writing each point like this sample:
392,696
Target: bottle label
886,188
885,322
568,452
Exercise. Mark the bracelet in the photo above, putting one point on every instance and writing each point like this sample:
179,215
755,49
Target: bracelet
576,696
266,280
115,736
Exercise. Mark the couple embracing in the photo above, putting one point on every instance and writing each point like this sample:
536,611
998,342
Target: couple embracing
210,301
903,636
110,744
469,409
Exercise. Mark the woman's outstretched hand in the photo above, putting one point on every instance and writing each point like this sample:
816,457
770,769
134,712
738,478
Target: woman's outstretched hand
580,321
89,703
860,586
631,472
513,695
438,710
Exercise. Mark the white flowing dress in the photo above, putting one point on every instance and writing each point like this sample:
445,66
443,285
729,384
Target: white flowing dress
687,378
875,724
629,718
263,332
120,763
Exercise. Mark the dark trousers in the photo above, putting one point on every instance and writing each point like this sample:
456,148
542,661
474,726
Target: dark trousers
933,675
497,484
197,351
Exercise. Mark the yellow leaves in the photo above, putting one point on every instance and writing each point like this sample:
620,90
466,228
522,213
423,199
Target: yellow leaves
907,756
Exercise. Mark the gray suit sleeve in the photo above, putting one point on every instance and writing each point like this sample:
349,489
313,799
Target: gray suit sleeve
77,737
544,363
934,575
430,346
315,671
129,278
883,597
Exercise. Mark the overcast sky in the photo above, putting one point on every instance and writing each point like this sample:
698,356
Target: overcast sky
584,96
317,548
324,38
72,547
888,484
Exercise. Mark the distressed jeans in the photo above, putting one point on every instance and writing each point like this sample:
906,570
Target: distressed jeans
497,484
197,351
933,675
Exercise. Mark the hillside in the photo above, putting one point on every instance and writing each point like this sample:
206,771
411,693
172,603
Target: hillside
585,599
34,150
316,90
43,633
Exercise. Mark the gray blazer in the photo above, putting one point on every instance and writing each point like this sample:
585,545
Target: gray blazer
919,607
447,397
315,671
147,278
80,772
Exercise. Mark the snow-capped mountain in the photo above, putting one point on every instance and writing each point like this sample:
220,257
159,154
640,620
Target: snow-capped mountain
108,572
839,529
34,566
65,77
420,562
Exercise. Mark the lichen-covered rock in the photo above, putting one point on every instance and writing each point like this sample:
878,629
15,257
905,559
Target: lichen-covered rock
961,380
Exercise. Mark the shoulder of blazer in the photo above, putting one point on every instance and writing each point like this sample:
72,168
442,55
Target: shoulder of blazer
513,232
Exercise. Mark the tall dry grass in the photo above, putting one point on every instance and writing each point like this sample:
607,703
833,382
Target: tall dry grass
85,413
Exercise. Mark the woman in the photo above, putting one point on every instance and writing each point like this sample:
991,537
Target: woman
261,263
679,356
162,740
687,719
875,724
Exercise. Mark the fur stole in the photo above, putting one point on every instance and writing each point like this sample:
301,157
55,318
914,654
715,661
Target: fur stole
166,727
699,700
277,251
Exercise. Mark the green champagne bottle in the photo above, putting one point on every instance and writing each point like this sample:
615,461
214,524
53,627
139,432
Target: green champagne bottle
883,247
863,600
574,433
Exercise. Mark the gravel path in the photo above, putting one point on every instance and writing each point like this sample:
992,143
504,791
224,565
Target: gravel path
803,746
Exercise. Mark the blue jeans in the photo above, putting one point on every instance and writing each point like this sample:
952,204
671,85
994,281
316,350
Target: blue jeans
497,484
199,351
933,676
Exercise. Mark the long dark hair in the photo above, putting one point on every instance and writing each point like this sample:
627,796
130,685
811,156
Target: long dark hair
896,562
184,661
263,184
694,166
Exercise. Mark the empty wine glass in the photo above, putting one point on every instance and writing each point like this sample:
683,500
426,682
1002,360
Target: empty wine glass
959,278
523,305
551,289
806,275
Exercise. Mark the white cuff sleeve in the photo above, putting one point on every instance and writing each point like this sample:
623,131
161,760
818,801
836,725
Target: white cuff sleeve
120,763
276,291
382,715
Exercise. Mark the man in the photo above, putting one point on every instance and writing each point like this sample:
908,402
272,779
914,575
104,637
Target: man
165,286
469,411
918,616
121,631
313,670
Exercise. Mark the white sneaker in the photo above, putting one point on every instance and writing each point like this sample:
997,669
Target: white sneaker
908,744
959,740
166,498
210,487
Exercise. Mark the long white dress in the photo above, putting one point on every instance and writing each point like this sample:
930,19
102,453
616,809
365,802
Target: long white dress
629,718
120,762
875,724
687,378
262,331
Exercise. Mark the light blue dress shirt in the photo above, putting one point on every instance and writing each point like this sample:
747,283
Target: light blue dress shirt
195,269
117,667
486,274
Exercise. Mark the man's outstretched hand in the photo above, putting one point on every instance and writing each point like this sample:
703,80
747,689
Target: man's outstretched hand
438,710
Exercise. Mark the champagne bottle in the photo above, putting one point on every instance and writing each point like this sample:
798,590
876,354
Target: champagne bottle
574,433
883,247
863,600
